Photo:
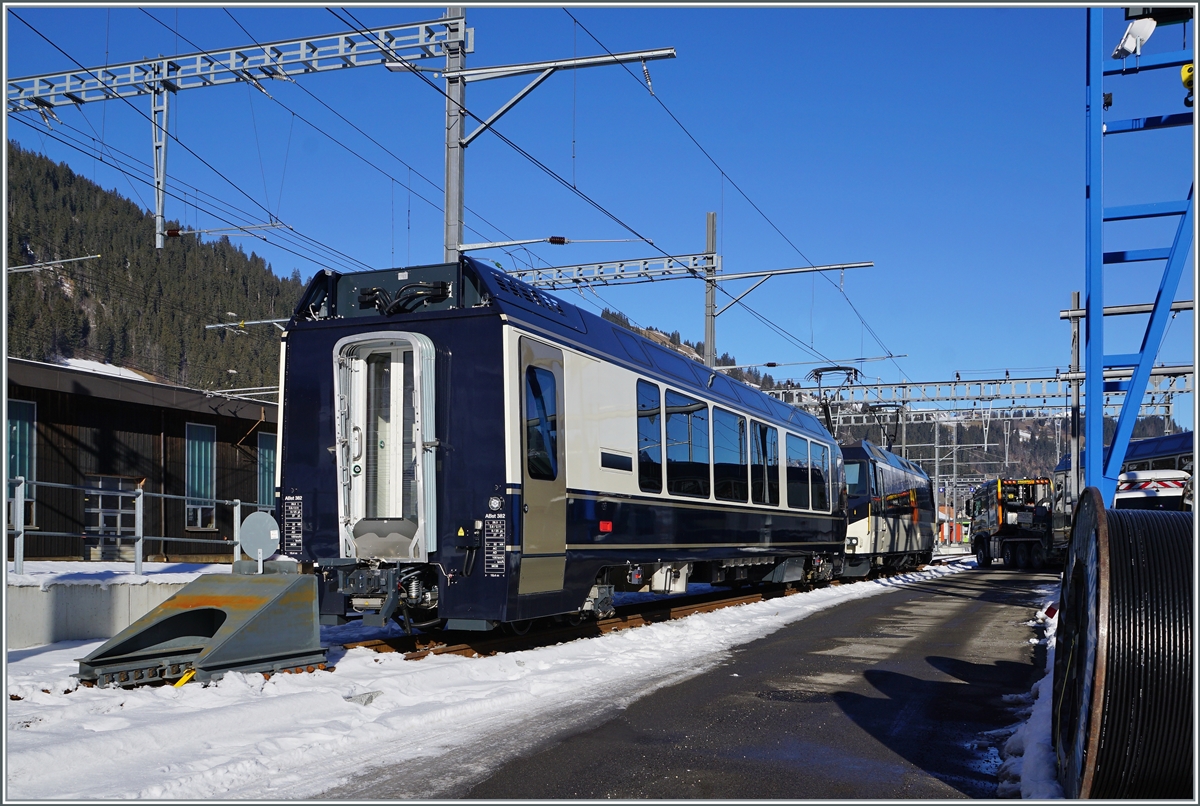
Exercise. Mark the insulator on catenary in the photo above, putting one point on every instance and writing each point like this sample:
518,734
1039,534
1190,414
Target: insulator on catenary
557,240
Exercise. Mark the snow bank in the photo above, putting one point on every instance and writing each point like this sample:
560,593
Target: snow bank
1030,768
297,736
43,574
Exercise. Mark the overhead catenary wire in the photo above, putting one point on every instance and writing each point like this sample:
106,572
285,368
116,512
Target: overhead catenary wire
407,186
550,172
370,163
743,194
323,263
136,360
127,289
363,30
182,144
537,163
271,218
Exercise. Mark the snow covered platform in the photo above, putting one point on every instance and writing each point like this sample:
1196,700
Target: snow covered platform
72,601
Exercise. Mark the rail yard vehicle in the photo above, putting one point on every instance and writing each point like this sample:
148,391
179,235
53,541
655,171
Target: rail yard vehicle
890,511
1014,520
459,449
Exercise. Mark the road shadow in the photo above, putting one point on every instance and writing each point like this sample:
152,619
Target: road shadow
951,729
1008,587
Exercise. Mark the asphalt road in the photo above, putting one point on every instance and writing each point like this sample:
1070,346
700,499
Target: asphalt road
904,695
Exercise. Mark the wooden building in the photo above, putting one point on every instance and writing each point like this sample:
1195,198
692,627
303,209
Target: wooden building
86,428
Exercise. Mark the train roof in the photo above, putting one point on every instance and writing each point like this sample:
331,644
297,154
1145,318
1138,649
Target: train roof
1146,448
340,294
863,448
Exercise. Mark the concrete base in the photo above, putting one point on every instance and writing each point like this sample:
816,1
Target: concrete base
76,612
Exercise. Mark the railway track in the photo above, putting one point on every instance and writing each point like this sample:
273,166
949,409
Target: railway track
419,646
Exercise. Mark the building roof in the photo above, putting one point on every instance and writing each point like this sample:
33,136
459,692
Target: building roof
87,382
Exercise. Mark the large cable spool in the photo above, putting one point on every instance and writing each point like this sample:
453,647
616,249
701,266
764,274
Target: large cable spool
1122,711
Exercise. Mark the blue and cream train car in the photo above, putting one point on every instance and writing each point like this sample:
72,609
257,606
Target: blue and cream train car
459,449
891,511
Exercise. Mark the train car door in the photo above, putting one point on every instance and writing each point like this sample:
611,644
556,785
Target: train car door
384,394
543,470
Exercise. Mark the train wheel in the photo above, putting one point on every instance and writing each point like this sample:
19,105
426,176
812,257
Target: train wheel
518,627
1023,555
1009,555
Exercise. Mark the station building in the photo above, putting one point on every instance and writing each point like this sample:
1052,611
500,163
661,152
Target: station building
88,428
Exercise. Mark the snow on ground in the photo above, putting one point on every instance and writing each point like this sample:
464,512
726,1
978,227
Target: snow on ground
297,736
44,573
1030,768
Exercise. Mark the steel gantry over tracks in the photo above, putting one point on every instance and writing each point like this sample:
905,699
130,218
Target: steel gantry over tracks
394,47
1161,380
706,266
1101,467
166,75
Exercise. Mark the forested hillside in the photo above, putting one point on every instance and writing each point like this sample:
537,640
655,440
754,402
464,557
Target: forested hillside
135,306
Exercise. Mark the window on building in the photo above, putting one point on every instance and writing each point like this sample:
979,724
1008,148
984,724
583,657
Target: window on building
107,512
201,476
797,473
266,470
820,477
541,426
764,464
729,456
649,434
22,451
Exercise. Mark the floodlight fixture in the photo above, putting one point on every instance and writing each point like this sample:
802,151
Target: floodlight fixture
1135,36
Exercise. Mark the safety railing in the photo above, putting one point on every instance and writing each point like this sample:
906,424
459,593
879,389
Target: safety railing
24,490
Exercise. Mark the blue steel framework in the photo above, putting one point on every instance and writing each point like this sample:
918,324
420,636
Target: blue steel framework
1101,468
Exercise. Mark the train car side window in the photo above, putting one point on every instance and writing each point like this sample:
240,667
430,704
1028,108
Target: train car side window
797,472
649,432
729,455
626,340
820,477
542,425
764,464
687,445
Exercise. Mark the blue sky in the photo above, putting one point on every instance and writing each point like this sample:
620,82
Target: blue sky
945,145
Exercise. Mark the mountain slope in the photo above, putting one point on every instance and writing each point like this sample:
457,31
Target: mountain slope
135,306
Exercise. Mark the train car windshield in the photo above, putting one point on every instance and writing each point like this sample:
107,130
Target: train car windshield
857,479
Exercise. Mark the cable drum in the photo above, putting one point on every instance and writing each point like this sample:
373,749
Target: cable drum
1122,710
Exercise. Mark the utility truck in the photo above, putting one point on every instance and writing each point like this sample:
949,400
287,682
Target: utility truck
1014,520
